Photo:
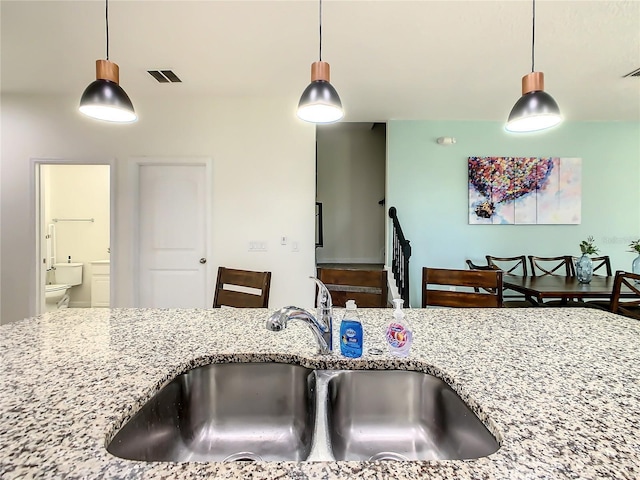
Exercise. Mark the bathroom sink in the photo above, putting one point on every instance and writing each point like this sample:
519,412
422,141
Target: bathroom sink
225,412
401,415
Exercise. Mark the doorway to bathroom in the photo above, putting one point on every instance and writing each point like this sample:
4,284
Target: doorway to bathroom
73,203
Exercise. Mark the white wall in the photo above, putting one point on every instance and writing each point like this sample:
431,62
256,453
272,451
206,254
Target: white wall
263,186
0,185
78,192
428,184
351,182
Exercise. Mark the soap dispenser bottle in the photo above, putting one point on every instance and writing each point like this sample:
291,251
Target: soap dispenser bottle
399,335
351,332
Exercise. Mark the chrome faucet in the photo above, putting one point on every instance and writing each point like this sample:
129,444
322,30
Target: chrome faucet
321,325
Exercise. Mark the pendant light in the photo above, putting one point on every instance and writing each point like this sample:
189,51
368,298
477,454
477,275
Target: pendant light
320,102
536,109
104,99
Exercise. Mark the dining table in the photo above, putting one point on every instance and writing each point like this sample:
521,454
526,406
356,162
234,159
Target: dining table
564,288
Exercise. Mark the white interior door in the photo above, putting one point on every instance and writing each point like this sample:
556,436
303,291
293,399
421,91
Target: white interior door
173,212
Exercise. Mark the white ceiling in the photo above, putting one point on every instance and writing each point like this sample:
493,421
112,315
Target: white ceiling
390,59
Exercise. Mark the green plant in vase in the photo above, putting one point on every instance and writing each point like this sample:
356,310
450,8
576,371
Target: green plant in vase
588,246
584,265
635,248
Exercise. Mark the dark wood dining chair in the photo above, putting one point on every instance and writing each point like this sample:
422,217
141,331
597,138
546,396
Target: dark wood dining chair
511,300
509,265
488,283
242,288
629,307
601,265
562,265
475,266
368,288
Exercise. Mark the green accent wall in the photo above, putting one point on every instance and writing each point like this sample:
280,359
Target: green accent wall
427,183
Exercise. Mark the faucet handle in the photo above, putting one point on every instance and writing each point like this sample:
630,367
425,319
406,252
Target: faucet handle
324,297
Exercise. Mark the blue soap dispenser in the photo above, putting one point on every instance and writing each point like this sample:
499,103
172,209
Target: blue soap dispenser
351,332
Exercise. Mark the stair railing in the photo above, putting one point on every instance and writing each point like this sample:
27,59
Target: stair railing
400,254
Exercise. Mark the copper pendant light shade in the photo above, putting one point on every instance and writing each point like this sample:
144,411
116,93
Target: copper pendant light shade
536,109
106,70
104,99
320,103
320,71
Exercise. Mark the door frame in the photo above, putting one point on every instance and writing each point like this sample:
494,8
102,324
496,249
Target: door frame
36,290
135,164
327,199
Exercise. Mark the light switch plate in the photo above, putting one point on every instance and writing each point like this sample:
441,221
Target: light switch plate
258,246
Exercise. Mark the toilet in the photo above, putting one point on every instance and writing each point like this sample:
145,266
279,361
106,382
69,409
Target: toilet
56,296
66,276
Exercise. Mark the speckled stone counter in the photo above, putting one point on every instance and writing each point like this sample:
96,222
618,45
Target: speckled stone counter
559,388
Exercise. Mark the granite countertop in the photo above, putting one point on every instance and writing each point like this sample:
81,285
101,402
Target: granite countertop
559,388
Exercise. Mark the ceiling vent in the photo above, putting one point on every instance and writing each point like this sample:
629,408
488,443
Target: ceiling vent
164,76
635,73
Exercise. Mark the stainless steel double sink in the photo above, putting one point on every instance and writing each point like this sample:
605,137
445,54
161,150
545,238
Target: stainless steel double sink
286,412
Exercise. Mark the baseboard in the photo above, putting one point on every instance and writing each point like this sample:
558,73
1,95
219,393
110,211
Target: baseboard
79,304
375,260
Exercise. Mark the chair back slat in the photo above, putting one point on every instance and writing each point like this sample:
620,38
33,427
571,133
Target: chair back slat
231,298
227,292
488,280
443,298
509,265
562,265
475,266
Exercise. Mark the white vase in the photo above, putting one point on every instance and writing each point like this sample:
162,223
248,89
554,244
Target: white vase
635,266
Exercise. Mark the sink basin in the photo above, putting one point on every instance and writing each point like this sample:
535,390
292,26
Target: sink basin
283,412
401,415
225,412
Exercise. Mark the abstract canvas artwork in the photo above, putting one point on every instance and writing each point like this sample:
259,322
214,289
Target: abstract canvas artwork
525,190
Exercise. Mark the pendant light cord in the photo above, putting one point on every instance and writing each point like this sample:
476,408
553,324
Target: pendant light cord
533,37
106,19
320,22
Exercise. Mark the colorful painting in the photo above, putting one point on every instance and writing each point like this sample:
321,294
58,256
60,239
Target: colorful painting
524,190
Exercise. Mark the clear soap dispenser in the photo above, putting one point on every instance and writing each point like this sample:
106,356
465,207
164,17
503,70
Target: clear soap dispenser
399,335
